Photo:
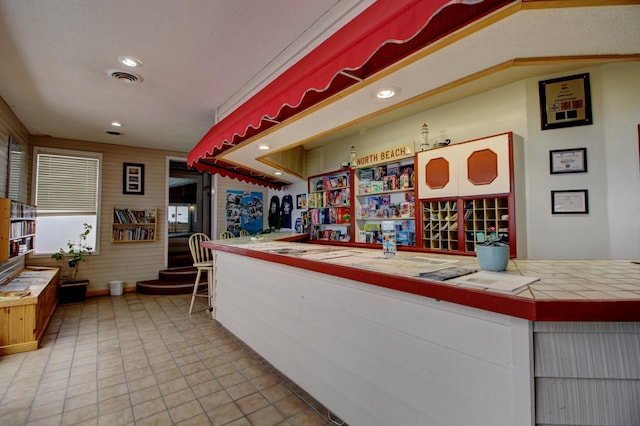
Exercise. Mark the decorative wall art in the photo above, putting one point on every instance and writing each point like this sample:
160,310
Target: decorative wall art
565,102
133,179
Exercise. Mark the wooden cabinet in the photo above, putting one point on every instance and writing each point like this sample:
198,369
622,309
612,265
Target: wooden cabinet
385,192
24,320
134,225
329,202
466,194
17,229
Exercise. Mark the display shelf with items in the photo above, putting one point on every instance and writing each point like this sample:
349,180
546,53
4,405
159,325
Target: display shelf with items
134,225
329,204
486,219
385,192
18,229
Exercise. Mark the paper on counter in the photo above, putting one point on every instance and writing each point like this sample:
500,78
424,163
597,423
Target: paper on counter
500,281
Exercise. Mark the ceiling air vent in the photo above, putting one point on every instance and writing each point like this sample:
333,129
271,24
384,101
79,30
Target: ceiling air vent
125,77
112,132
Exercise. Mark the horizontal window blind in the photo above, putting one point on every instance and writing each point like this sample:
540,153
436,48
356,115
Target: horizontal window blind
66,184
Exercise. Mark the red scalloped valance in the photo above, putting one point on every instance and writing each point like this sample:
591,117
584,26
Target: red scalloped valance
384,33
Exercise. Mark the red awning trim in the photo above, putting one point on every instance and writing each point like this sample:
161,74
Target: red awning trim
238,173
384,33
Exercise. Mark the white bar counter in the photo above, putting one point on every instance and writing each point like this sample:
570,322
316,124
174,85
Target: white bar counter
379,346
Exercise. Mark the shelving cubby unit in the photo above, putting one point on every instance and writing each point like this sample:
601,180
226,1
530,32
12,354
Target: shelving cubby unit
385,192
329,202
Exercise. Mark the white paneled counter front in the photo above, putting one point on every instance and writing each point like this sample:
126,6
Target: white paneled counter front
382,348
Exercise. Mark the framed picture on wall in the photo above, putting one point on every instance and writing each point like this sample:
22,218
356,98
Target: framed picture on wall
565,102
133,178
571,201
568,160
301,201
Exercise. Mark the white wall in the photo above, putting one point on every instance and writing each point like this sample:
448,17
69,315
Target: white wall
611,230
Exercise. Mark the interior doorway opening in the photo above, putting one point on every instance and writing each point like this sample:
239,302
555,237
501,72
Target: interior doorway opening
188,211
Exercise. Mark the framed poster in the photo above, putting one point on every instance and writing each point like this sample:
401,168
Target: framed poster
565,102
301,201
568,160
133,178
572,201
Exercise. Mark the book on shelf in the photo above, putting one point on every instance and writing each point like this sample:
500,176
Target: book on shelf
365,174
377,186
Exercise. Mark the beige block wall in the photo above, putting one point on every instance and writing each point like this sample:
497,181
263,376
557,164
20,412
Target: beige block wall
129,262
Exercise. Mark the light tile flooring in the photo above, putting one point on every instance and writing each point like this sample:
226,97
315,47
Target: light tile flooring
143,360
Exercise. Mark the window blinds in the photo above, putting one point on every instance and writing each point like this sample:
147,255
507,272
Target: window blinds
66,185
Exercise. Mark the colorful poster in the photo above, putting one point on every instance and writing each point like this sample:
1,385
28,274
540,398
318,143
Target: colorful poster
244,211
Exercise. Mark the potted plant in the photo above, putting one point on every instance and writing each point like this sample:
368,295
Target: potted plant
493,252
71,289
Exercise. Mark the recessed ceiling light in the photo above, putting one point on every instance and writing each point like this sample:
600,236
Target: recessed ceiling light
263,147
130,61
278,173
387,92
116,124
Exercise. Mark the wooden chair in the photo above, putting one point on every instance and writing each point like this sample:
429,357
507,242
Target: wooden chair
244,233
226,234
203,260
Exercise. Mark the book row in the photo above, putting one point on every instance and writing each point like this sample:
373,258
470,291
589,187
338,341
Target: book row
134,234
127,216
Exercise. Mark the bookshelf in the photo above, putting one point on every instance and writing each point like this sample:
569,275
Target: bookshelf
17,229
134,225
385,192
329,203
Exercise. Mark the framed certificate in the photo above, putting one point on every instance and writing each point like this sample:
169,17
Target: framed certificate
568,160
572,201
565,102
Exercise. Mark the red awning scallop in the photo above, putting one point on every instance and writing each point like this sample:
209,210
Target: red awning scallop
381,35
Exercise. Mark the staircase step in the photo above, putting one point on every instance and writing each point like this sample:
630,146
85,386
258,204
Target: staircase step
159,287
173,281
182,274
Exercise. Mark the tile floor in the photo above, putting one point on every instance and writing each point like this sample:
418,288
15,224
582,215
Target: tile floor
140,359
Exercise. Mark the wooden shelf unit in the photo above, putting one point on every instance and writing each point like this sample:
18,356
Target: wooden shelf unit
329,203
385,192
17,229
466,195
134,225
458,224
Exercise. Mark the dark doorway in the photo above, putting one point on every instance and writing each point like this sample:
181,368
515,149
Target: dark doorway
189,210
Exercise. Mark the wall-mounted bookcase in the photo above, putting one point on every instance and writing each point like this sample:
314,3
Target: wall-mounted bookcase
385,192
329,203
17,229
134,225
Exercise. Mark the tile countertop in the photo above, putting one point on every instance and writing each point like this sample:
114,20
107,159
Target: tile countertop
566,290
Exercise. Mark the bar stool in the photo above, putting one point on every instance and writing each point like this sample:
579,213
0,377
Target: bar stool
203,260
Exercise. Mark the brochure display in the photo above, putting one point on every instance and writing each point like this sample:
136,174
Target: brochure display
329,204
